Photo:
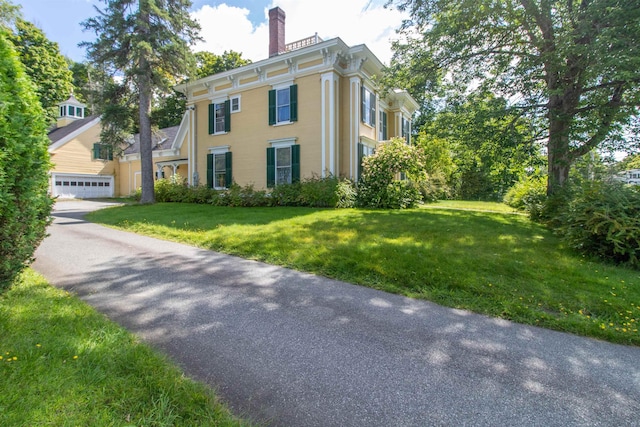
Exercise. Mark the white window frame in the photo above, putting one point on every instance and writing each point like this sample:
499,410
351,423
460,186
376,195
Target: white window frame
278,145
279,106
235,98
218,106
218,151
366,118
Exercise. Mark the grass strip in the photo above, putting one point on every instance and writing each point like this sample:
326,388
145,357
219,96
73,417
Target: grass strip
63,364
497,264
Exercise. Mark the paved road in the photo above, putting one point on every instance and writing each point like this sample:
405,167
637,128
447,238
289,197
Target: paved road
292,349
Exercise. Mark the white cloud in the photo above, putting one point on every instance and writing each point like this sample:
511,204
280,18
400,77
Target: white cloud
354,21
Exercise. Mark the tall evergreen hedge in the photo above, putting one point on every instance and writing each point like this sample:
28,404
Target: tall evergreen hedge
24,163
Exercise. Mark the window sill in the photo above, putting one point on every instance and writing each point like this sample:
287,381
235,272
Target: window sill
283,123
218,133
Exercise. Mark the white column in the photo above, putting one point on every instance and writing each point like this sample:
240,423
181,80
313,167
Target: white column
354,125
329,123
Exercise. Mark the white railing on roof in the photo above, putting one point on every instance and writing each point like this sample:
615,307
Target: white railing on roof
302,43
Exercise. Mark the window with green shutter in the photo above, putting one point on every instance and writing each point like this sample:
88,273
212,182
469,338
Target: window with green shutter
283,165
219,173
382,130
283,105
102,151
367,106
220,117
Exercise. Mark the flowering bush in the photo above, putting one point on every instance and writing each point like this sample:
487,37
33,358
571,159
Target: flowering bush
380,185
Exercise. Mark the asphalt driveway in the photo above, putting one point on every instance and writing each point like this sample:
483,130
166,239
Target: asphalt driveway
292,349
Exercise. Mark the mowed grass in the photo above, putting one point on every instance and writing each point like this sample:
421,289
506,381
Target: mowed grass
497,264
63,364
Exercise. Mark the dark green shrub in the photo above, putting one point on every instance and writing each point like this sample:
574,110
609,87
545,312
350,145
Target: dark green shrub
247,196
319,192
24,162
286,195
603,219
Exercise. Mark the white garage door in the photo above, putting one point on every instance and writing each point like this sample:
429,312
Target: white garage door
82,186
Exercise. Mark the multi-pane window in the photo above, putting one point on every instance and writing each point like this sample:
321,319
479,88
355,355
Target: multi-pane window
219,171
283,102
368,106
283,105
382,126
406,130
235,104
283,165
219,120
102,152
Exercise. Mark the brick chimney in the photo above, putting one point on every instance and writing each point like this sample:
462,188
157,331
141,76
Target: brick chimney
276,31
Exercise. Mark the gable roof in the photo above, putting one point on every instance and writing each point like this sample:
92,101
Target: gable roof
62,135
163,139
59,133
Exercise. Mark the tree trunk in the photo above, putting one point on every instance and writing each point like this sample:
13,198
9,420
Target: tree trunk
144,89
558,158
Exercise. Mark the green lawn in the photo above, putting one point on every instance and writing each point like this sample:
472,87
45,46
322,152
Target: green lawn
63,364
498,264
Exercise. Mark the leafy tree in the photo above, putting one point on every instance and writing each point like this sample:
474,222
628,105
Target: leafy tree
147,44
169,109
44,64
89,83
209,63
9,13
574,65
491,147
24,163
629,162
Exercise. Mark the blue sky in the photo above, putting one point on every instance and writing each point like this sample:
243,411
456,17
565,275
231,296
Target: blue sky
239,25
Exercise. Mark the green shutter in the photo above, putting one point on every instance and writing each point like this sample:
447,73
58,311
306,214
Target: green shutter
360,158
227,116
372,116
212,119
96,151
363,105
109,152
293,106
228,176
271,167
209,170
272,107
384,126
295,163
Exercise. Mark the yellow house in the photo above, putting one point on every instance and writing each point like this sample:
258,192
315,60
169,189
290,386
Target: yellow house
313,108
82,167
169,154
85,168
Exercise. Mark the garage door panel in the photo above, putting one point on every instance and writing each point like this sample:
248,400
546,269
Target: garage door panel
82,187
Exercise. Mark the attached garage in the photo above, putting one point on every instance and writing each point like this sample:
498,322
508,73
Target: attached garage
81,186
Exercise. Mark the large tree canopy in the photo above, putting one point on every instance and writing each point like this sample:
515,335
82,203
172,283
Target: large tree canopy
209,63
44,64
147,44
572,64
491,147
